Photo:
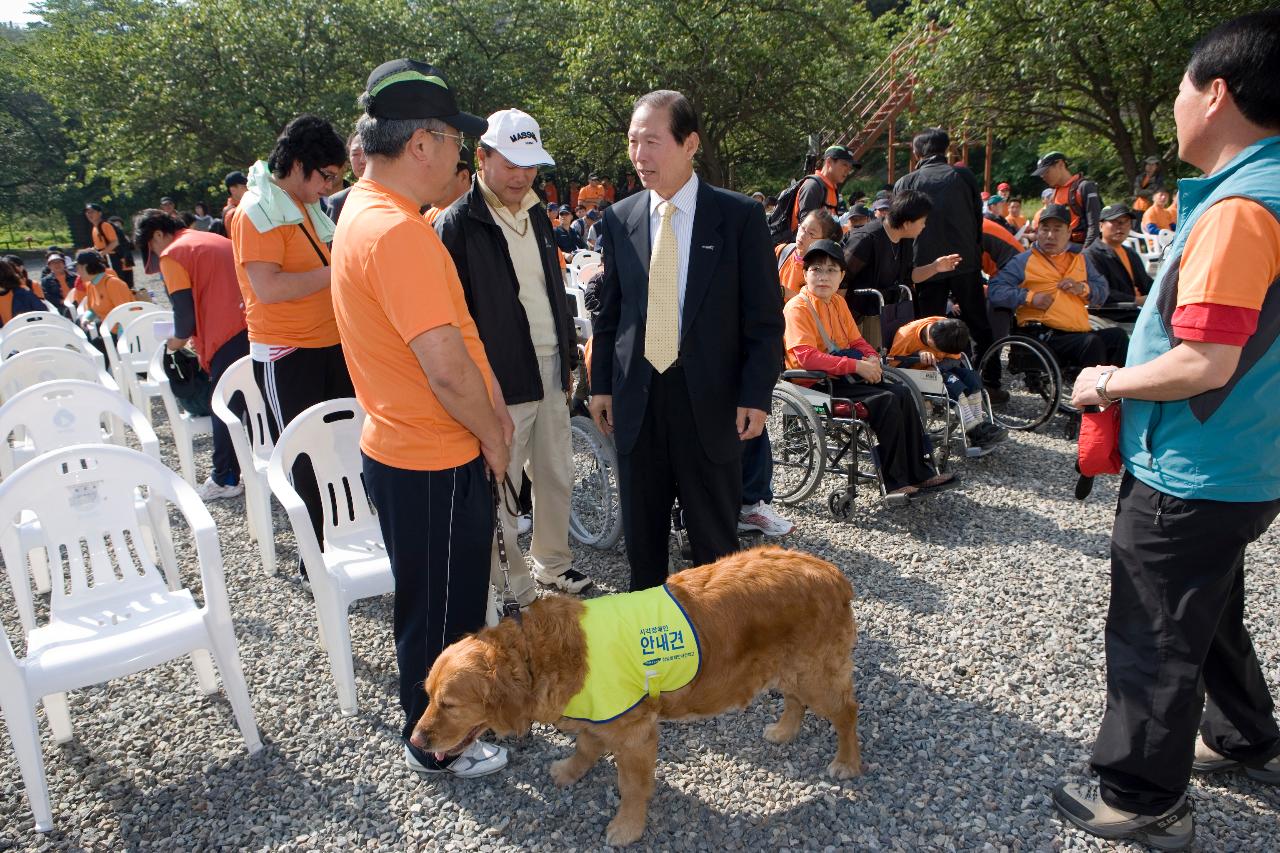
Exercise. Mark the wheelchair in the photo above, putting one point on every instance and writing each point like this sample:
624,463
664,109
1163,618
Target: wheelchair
814,433
1039,387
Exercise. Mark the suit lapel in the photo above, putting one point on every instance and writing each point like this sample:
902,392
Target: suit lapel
704,252
638,232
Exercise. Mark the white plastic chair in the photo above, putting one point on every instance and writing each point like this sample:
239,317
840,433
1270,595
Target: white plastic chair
46,334
111,613
137,344
21,321
251,439
119,316
581,316
46,364
185,426
67,412
354,563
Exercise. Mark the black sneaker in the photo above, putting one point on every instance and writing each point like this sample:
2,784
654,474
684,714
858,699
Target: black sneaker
988,434
997,394
1082,805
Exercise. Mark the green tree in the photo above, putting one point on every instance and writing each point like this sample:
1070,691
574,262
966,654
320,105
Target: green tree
1094,71
762,74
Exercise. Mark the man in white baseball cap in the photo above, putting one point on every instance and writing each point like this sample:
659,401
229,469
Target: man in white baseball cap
511,270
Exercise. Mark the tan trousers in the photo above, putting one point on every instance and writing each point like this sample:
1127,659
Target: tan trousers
541,444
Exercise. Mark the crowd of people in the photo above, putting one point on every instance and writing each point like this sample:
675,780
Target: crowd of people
432,289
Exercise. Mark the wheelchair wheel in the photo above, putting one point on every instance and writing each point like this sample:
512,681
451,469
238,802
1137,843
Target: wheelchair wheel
799,449
1030,374
936,428
595,514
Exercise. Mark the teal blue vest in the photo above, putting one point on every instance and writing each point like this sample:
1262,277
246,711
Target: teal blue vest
1222,445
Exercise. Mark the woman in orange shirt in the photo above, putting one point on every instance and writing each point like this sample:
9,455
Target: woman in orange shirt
104,290
822,336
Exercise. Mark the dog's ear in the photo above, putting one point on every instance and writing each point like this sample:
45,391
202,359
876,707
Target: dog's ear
509,703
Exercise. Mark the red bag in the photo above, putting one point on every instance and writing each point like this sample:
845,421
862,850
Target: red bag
1098,451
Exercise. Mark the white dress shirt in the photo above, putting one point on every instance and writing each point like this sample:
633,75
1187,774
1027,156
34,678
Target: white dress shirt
686,202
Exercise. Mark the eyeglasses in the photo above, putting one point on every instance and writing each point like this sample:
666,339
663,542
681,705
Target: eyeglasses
826,270
458,138
329,177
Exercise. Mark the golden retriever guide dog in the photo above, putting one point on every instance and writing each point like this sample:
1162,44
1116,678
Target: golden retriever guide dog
765,618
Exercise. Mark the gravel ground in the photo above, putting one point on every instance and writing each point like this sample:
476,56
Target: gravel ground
979,671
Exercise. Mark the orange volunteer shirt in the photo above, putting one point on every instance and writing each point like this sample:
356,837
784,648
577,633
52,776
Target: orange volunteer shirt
307,322
107,293
591,196
909,340
1231,258
791,273
836,318
392,281
1162,218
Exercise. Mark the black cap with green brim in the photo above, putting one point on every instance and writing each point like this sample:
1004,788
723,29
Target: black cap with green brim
409,89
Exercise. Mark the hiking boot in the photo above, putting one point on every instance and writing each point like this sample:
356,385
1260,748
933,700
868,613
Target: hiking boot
763,517
478,759
1082,805
1208,760
570,580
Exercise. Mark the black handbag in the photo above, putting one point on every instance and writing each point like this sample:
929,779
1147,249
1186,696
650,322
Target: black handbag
191,386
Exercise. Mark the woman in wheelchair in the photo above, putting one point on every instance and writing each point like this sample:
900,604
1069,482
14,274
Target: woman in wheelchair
822,336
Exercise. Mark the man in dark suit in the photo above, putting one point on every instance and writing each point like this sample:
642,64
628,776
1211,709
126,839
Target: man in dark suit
688,343
1125,271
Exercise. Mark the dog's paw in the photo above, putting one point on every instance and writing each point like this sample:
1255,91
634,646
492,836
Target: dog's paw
844,770
777,733
564,774
623,831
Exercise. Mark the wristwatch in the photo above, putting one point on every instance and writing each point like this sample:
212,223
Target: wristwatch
1100,387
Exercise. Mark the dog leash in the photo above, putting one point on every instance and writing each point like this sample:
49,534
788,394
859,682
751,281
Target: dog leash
507,491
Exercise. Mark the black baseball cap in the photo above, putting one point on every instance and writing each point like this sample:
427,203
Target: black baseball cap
839,152
88,256
1112,211
860,210
409,89
163,199
235,179
1048,160
93,206
830,248
1056,211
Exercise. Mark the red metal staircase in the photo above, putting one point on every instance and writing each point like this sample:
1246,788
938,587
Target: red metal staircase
883,95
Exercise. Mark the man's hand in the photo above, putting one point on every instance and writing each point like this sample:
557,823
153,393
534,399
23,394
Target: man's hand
496,459
870,370
927,358
750,423
946,263
175,344
1085,392
1075,288
504,417
601,409
1139,298
1042,300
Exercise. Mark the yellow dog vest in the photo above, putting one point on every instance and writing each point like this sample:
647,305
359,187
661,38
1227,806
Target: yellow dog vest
638,644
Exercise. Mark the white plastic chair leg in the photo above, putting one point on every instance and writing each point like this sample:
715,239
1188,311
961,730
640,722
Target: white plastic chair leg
223,647
186,453
259,507
55,708
206,678
336,633
20,717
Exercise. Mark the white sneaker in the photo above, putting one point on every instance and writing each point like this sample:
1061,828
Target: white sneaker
524,524
479,759
211,491
571,581
761,516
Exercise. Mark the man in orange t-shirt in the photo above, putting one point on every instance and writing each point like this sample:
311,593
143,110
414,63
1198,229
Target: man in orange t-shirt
593,194
1159,217
279,237
435,422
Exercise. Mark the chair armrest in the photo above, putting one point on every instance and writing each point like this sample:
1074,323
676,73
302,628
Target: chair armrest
791,375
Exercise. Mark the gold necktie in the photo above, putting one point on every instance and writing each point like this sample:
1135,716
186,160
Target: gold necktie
662,327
